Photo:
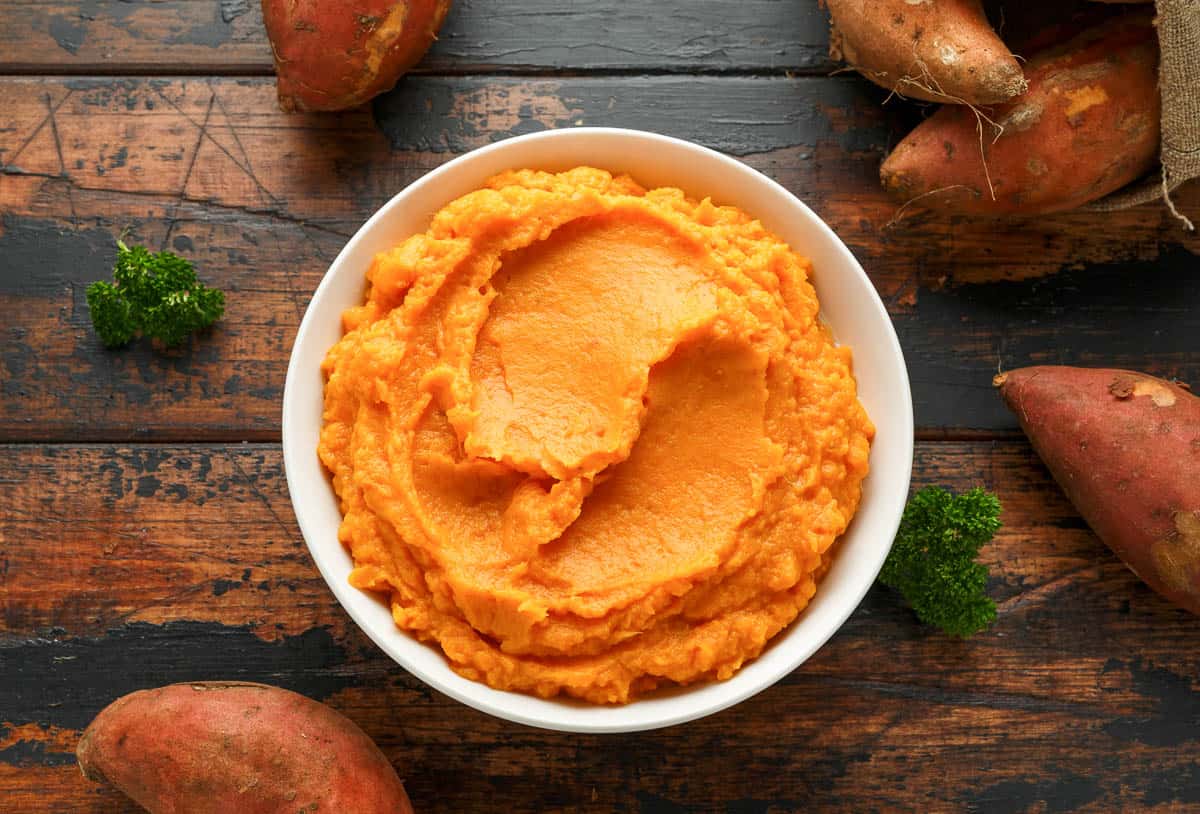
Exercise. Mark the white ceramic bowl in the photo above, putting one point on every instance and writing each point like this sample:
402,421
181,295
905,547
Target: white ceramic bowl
849,305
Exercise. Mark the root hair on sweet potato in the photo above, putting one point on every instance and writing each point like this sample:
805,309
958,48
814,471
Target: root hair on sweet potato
898,215
980,118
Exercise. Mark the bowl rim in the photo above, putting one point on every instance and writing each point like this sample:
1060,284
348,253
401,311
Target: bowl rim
477,695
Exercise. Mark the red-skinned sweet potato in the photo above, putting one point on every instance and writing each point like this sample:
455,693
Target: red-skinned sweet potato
217,747
1125,447
937,50
337,54
1088,125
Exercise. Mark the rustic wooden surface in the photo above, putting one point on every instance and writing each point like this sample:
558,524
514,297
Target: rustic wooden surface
145,530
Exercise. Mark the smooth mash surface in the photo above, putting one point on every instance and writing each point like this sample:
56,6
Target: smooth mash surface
591,439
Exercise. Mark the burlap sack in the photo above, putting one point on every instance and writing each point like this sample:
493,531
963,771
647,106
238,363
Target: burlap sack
1179,85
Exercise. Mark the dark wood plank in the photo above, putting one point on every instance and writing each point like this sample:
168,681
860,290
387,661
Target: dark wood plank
263,202
227,37
127,567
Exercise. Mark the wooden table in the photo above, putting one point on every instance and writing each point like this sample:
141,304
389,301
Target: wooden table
146,534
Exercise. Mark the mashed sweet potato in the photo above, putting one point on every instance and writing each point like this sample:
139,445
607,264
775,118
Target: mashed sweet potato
591,439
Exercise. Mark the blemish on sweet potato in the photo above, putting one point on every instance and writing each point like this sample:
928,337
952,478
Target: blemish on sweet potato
1083,98
1022,117
1158,392
1177,556
1127,386
1122,386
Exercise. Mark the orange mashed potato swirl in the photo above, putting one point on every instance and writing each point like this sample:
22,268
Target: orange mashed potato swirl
591,439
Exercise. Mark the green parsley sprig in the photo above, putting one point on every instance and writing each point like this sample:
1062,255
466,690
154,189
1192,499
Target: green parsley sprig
155,295
932,562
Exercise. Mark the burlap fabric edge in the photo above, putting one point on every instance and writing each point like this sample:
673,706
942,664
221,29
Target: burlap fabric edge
1178,23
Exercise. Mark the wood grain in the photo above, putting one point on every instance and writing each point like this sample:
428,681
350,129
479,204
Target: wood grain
133,566
263,202
227,37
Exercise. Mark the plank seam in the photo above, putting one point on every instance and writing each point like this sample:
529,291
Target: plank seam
135,71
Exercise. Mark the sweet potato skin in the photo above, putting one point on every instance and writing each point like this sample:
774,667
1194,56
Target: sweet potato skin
1088,125
937,50
338,54
217,747
1125,448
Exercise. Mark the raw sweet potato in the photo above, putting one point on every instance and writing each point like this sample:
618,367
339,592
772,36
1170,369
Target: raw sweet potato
214,748
337,54
1088,125
1125,447
938,50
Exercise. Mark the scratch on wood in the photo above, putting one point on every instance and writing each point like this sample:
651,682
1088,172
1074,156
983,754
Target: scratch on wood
289,270
62,164
258,493
244,165
9,163
209,206
191,165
